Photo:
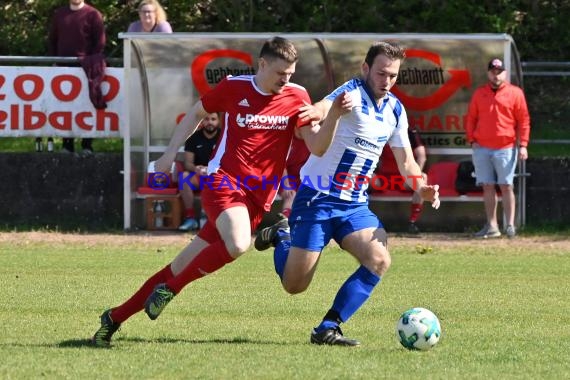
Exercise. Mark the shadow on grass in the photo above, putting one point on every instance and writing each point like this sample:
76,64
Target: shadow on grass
75,343
236,340
80,343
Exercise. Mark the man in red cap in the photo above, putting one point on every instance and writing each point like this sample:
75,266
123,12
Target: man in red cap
498,129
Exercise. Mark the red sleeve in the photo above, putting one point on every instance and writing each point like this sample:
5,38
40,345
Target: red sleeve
305,99
472,117
523,120
214,100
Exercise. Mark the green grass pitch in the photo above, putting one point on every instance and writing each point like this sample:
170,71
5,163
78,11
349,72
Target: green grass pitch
504,308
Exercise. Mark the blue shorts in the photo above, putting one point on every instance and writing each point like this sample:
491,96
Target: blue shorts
494,166
316,218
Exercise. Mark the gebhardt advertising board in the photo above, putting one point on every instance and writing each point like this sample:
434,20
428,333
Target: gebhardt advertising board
54,101
435,83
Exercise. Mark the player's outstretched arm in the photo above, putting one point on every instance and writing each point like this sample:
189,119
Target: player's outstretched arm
185,128
413,176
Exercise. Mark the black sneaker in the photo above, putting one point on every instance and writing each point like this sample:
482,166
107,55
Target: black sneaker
332,337
413,228
102,337
265,237
157,301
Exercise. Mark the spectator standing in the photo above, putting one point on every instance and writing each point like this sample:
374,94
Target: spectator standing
498,129
197,152
76,30
152,19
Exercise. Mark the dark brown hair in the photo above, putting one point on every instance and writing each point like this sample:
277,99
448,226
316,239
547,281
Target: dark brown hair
390,50
281,48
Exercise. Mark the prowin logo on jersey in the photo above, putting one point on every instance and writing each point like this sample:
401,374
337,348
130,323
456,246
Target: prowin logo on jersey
250,121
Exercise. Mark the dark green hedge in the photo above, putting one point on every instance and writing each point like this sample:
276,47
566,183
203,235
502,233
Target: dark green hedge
540,28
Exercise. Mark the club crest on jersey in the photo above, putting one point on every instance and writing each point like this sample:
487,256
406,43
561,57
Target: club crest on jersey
250,121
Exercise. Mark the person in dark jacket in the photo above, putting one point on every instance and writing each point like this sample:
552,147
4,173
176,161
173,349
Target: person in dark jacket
76,30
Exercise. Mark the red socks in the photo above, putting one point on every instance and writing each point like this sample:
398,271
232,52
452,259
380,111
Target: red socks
212,258
136,303
189,213
286,212
415,211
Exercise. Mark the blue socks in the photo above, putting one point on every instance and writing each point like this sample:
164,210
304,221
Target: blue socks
350,297
281,252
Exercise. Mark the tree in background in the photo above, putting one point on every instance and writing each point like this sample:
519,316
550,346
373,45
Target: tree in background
539,28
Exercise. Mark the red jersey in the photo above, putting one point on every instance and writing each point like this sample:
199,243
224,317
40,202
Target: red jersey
298,155
496,118
257,133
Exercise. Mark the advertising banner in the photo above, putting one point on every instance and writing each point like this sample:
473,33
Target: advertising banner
54,101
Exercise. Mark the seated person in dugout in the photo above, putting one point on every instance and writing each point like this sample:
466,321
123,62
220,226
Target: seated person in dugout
387,170
197,152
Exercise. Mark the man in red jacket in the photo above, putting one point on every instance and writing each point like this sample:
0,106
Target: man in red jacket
498,129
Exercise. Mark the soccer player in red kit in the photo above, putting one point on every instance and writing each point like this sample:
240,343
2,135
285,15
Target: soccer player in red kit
261,115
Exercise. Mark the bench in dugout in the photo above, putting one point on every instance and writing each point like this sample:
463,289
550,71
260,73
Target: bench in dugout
162,206
443,173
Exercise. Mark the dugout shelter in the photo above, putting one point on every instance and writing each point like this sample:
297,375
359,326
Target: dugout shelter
164,74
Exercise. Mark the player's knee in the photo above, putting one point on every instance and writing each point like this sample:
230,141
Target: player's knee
294,287
387,262
380,262
238,247
295,284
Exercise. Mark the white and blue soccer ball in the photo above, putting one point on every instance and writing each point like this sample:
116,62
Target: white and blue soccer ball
418,329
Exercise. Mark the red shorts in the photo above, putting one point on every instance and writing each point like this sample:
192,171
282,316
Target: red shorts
219,198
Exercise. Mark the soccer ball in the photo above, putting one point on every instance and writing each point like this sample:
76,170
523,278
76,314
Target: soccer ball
418,329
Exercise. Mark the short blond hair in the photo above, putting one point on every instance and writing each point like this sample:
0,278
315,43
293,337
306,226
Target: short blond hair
160,13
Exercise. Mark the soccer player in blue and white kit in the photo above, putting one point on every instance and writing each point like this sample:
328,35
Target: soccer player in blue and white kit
340,210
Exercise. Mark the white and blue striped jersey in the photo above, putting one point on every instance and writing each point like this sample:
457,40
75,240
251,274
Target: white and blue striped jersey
357,144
